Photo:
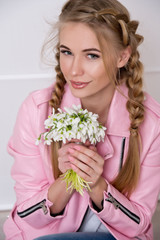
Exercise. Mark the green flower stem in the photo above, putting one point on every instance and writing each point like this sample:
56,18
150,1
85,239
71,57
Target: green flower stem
73,181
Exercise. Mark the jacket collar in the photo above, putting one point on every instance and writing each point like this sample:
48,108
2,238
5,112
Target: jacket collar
68,99
118,117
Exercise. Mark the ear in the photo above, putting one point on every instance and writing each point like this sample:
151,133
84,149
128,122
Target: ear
124,57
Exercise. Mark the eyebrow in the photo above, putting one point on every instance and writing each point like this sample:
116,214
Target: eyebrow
85,50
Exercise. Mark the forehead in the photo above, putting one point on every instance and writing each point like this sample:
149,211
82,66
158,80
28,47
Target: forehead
78,35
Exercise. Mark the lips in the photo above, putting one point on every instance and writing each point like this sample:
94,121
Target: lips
79,85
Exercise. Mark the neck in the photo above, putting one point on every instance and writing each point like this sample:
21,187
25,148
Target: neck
99,105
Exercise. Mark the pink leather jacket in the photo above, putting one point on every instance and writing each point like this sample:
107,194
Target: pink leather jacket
32,172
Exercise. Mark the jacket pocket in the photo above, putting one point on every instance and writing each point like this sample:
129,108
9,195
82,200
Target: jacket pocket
28,211
126,211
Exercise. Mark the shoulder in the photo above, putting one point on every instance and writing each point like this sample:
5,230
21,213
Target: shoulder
152,106
41,96
151,123
34,101
33,111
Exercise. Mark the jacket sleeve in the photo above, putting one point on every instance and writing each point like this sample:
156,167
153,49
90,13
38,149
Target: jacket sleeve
31,182
135,214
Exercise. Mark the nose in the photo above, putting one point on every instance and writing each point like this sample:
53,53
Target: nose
77,67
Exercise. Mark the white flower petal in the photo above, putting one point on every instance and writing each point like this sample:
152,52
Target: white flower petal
67,125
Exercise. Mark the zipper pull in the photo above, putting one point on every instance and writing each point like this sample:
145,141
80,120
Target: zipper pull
112,200
44,208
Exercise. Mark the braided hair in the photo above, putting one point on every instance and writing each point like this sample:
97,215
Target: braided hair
110,21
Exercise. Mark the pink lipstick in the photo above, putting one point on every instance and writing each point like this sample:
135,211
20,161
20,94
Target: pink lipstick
79,85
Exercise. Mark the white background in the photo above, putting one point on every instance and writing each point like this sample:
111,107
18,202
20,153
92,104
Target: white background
23,29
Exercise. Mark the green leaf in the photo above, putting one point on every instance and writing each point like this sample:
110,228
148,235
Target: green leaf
69,127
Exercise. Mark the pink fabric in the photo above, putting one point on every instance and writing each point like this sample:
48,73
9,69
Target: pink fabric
32,172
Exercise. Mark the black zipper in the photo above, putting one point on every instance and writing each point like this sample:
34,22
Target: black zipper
122,153
34,208
117,205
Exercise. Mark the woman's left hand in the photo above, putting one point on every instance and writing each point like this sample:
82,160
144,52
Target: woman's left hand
87,163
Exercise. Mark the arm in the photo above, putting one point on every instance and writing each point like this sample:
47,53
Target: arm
58,195
34,192
133,214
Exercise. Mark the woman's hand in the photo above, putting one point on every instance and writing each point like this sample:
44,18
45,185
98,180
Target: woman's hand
64,162
86,162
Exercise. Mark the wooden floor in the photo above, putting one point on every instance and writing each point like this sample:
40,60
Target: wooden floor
156,223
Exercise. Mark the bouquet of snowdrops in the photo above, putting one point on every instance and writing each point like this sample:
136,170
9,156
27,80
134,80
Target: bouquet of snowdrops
73,123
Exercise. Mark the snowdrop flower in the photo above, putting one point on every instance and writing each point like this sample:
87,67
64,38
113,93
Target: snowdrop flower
73,123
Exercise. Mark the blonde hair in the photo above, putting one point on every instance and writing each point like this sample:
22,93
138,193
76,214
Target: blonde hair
111,23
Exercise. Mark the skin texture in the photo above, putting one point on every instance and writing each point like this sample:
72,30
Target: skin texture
82,65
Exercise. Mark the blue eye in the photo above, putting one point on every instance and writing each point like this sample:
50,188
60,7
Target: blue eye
93,56
65,52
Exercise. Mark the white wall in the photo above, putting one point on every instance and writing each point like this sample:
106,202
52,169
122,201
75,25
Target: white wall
22,31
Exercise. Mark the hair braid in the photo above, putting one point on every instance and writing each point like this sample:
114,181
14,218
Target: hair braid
127,179
55,103
135,92
59,86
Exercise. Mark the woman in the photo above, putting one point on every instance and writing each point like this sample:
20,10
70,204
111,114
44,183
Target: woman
98,67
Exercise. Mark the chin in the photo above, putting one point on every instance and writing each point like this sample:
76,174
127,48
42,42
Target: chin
79,93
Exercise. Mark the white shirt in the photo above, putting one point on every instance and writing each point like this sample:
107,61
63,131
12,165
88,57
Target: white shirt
91,223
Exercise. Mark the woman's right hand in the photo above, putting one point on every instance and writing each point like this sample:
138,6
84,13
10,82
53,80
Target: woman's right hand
57,193
64,163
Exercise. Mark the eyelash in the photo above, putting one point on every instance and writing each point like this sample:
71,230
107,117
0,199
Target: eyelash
65,52
91,56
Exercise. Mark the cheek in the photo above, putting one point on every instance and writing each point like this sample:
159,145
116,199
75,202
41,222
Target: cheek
98,71
62,65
